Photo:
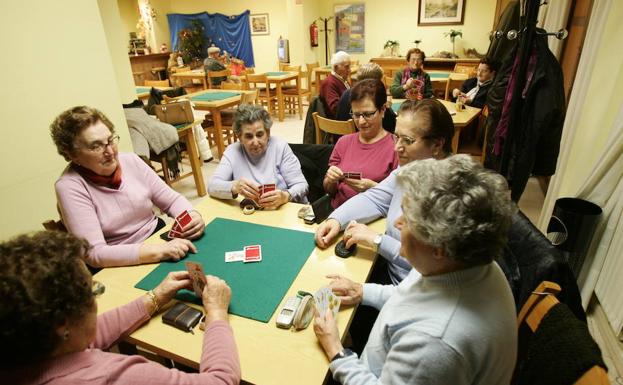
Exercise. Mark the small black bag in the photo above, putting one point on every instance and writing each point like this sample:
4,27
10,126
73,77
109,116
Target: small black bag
322,208
182,317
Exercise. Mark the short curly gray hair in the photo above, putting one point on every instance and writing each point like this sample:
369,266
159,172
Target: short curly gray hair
249,114
457,205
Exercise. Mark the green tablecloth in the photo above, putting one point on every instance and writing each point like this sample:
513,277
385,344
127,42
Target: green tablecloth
212,96
439,75
140,90
276,73
257,288
396,106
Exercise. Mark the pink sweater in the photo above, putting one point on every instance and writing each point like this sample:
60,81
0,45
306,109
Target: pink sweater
374,161
219,360
116,222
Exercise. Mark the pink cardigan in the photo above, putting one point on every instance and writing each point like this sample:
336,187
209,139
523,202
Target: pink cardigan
219,360
116,222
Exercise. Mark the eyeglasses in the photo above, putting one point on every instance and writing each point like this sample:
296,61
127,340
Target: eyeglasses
99,147
367,115
407,141
97,288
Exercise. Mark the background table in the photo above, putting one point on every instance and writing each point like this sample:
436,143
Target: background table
142,92
268,355
198,74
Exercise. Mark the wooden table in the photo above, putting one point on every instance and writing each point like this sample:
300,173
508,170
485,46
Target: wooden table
268,355
459,118
198,74
142,92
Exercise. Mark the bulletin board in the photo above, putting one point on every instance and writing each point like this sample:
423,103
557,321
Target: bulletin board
350,28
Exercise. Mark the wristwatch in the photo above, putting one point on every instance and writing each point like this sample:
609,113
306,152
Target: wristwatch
342,353
377,242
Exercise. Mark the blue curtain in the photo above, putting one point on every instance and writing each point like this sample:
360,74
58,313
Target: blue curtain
229,33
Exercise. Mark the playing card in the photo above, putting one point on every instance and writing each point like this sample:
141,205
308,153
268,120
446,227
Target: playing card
268,187
353,175
252,253
183,220
174,234
197,276
234,256
325,299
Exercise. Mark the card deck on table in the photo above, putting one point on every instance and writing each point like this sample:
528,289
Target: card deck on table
352,175
234,256
325,299
252,253
197,276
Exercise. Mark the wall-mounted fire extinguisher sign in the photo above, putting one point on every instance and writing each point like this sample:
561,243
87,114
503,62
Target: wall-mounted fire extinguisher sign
313,34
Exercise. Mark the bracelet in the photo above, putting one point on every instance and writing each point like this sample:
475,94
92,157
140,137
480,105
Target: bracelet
154,301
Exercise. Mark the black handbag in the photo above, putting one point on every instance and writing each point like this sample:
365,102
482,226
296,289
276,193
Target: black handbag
182,317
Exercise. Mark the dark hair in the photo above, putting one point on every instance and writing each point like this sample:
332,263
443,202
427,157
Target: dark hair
69,124
373,89
490,62
42,284
439,119
415,51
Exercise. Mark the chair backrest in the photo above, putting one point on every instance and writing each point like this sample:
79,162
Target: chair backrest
249,70
217,74
231,86
554,347
157,83
467,69
181,69
338,127
249,97
455,80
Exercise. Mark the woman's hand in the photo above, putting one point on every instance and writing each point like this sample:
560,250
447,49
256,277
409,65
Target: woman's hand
216,296
360,234
325,328
174,281
408,84
349,292
326,232
334,175
274,199
360,185
175,250
246,188
194,229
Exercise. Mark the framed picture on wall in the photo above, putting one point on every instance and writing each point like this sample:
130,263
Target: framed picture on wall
441,12
259,24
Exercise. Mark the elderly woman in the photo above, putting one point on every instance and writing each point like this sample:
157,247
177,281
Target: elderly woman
424,130
108,198
474,90
368,152
256,160
412,82
366,71
334,85
452,319
51,332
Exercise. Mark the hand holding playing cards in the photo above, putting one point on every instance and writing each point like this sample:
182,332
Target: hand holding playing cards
175,249
326,232
360,185
246,188
334,174
166,290
194,229
349,292
360,234
216,296
273,199
327,333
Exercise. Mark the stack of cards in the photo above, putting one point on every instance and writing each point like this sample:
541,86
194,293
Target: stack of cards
325,299
352,175
181,221
252,253
197,276
266,188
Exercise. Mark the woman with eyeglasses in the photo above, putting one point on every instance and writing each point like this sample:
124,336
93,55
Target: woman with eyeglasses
51,333
107,197
368,153
413,82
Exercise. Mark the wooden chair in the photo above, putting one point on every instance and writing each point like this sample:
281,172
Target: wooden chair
157,83
455,80
537,312
476,147
217,74
467,69
311,82
266,96
138,77
329,126
294,95
232,86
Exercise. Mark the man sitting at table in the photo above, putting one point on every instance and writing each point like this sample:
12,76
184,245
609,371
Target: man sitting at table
212,63
474,90
332,88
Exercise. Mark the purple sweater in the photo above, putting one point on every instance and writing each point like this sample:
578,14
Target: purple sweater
219,358
374,161
116,222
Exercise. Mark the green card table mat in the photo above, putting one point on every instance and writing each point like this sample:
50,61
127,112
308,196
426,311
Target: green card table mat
257,287
213,96
439,75
276,73
140,90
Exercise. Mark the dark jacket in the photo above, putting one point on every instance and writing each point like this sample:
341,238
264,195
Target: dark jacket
309,130
344,108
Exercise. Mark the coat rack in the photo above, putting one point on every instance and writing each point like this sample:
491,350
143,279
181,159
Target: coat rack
326,31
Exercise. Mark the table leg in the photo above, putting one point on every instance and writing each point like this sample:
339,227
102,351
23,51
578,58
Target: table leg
317,83
455,139
195,163
218,131
280,105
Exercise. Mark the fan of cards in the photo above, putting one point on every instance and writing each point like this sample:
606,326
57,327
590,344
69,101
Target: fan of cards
325,299
352,175
197,277
266,188
252,253
181,221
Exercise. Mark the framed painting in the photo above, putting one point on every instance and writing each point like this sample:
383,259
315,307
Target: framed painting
441,12
259,24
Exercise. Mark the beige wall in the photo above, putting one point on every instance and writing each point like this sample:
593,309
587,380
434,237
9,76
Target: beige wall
58,59
128,11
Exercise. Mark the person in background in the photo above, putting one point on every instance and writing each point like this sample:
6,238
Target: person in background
107,197
366,71
334,85
412,82
452,320
51,333
474,91
369,152
258,159
213,63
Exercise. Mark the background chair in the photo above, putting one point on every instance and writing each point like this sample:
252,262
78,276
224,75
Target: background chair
294,95
311,76
217,74
476,146
554,347
266,96
455,80
157,83
467,69
329,126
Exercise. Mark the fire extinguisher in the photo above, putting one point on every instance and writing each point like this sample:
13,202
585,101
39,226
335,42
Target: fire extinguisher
313,34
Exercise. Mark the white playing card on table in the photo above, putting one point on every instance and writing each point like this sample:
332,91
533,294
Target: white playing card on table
234,256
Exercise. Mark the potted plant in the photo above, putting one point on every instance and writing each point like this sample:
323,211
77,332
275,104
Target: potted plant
417,42
393,47
453,34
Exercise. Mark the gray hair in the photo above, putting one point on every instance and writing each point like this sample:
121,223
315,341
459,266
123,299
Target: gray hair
370,71
249,114
457,205
339,57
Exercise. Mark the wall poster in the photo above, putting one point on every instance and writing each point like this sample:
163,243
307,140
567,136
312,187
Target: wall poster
350,28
